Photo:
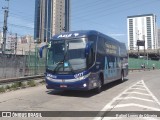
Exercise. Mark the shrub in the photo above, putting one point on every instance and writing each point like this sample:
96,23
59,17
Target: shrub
31,83
2,89
7,87
15,86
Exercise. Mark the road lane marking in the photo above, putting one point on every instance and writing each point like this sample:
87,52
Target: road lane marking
137,98
138,89
154,97
139,85
110,107
137,93
135,105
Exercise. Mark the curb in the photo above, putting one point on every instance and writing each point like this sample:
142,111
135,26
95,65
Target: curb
8,80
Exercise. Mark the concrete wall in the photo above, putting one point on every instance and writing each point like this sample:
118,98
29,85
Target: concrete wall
12,66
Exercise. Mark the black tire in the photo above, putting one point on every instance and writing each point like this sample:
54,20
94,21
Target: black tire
100,85
122,77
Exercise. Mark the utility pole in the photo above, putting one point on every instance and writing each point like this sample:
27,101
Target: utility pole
4,31
5,27
144,46
15,44
137,42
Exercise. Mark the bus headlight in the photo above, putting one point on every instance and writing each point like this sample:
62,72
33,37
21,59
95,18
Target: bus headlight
84,85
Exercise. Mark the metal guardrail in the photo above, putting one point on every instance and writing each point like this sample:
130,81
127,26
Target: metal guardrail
9,80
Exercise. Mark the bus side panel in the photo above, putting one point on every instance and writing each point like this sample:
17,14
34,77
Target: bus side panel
112,64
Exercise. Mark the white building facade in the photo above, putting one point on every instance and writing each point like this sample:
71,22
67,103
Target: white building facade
142,27
158,36
18,44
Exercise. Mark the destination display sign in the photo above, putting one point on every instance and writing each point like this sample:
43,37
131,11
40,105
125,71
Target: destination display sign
111,49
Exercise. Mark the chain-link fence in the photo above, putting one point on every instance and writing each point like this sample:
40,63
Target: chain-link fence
34,64
137,63
12,66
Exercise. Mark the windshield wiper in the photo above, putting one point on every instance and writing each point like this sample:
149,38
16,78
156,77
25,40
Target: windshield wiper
70,66
61,62
58,63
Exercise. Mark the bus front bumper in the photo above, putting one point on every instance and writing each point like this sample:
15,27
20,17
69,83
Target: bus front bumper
64,85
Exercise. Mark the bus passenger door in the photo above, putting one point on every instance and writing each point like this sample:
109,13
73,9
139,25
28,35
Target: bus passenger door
110,73
107,71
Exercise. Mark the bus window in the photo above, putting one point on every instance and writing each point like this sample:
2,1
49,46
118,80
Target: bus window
111,62
116,62
90,58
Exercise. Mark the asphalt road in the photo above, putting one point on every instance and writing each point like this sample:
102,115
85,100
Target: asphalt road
140,92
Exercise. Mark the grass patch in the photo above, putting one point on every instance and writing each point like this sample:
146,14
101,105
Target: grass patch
14,86
18,85
2,89
7,87
21,84
31,83
42,82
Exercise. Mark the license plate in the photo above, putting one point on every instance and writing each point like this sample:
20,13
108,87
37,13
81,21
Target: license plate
63,86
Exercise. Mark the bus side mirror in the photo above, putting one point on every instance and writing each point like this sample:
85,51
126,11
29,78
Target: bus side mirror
41,50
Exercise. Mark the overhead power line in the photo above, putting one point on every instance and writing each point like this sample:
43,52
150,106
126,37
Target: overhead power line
21,26
102,6
104,14
105,9
128,8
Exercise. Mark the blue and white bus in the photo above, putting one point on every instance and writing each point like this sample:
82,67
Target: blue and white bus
84,60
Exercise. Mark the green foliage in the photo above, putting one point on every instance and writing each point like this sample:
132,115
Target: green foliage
15,86
7,87
2,89
31,83
20,84
42,82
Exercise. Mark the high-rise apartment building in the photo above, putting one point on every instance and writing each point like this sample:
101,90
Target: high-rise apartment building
158,33
51,17
142,27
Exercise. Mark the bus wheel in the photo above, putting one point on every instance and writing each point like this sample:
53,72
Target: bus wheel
122,77
100,84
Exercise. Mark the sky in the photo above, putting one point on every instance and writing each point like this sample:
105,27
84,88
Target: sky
106,16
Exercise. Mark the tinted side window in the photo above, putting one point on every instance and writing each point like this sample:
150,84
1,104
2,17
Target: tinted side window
92,51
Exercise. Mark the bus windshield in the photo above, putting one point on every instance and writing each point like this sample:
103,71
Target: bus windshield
67,55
